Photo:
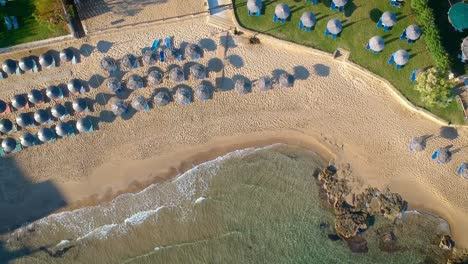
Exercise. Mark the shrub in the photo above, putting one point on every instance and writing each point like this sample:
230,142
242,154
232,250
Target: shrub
434,86
49,11
425,17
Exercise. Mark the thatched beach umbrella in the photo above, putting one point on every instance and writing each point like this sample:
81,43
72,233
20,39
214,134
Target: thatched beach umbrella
193,51
198,71
286,80
418,143
388,19
67,55
9,144
6,126
79,105
183,95
376,43
135,82
75,86
117,106
162,97
35,96
10,66
27,64
155,77
63,129
129,61
3,106
42,116
54,92
254,6
176,75
401,57
24,120
28,140
243,86
109,65
334,26
150,57
46,134
19,101
444,156
114,84
413,32
59,111
282,11
140,103
464,49
84,125
264,83
308,19
203,92
46,60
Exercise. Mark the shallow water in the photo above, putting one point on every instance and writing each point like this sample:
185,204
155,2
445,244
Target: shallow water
250,206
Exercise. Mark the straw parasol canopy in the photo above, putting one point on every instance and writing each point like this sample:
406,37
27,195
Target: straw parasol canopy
117,106
334,26
388,19
27,139
6,126
19,101
114,85
464,47
376,43
203,92
3,106
35,96
413,32
183,95
135,82
308,19
198,71
75,86
42,116
67,55
129,61
444,155
418,144
79,105
62,129
10,66
401,57
150,57
176,75
108,64
286,80
54,92
24,120
84,125
46,60
254,5
9,144
193,50
59,111
265,83
282,11
46,134
139,103
242,86
26,64
155,77
162,97
340,2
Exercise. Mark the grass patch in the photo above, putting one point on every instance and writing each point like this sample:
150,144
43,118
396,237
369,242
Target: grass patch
359,20
30,27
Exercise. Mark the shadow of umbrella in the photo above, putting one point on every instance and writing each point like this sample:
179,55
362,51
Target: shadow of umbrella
448,132
375,15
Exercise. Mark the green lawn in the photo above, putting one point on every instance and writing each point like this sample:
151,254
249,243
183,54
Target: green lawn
29,28
359,21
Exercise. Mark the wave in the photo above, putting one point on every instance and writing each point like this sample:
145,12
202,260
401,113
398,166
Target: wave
140,217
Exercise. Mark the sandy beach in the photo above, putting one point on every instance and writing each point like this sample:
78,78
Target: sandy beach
346,116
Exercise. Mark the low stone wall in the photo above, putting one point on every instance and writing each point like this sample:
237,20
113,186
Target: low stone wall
35,44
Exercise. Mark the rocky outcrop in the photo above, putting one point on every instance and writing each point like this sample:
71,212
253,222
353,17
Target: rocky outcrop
357,244
446,242
388,242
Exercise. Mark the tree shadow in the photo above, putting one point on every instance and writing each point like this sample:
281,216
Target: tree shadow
228,42
215,65
301,73
96,81
106,116
224,84
86,50
448,132
103,98
104,46
375,14
208,44
321,70
236,61
350,8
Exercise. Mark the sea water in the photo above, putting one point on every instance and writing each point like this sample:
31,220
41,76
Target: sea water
249,206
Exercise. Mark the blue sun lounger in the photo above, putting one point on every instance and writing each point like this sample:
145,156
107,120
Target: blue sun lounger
275,19
162,57
327,33
435,155
462,167
395,4
15,22
167,41
413,76
8,23
391,60
155,45
379,23
332,6
403,35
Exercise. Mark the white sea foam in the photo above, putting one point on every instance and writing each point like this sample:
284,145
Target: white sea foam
200,199
62,243
140,217
99,233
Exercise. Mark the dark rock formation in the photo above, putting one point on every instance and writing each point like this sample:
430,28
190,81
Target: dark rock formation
388,242
334,237
446,242
357,244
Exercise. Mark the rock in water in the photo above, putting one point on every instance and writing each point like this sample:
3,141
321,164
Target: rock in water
357,244
446,242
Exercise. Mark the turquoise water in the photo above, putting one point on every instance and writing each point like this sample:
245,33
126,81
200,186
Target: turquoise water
250,206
